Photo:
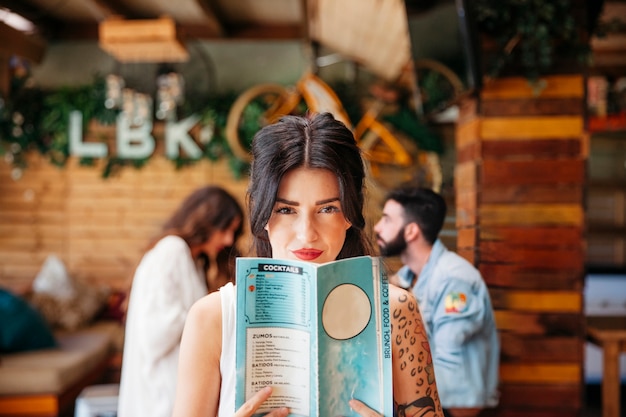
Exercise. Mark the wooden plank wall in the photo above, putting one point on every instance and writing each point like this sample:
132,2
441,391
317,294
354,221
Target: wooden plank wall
519,184
98,227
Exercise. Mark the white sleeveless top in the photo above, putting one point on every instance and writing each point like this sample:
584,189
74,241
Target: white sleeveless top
227,358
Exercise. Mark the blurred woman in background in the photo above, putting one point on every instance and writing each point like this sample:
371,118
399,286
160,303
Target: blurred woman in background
193,255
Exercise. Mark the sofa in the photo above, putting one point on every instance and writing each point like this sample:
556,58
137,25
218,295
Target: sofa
57,337
46,382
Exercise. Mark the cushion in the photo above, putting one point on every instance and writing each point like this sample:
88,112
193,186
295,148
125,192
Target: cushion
54,280
72,313
23,328
64,303
115,307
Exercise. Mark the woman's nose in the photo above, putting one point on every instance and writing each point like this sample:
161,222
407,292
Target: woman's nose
306,231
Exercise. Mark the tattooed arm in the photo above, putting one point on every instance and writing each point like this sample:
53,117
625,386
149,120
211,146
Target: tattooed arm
414,389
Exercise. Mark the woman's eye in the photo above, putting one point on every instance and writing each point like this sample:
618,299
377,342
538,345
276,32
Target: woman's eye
330,209
284,210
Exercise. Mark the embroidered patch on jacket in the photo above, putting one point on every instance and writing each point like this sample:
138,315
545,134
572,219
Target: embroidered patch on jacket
455,302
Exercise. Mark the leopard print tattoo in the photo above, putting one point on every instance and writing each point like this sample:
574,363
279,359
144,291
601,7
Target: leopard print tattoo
413,357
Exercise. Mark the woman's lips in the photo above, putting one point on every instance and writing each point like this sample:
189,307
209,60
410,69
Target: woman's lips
307,254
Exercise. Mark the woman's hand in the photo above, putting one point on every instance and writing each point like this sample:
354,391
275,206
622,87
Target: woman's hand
253,404
362,409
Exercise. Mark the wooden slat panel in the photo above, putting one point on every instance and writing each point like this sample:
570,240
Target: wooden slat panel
466,214
519,87
566,193
568,258
467,134
552,395
524,278
84,233
469,254
98,227
21,256
40,244
468,106
466,238
528,191
533,323
532,172
31,185
537,301
531,214
534,236
518,348
117,246
35,201
542,373
138,204
30,216
538,148
531,128
469,153
465,176
566,410
530,107
19,275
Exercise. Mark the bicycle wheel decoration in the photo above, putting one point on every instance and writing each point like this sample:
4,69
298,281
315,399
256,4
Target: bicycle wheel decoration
439,87
254,108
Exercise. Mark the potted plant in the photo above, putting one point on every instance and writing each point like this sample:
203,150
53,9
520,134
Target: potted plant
530,37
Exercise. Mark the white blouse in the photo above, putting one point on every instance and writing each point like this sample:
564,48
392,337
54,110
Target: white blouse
166,284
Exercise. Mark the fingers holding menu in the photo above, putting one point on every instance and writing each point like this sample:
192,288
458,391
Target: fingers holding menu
250,406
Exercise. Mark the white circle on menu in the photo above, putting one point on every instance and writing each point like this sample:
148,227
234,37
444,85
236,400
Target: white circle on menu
346,312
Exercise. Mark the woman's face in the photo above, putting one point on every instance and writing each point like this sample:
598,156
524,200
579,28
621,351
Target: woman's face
221,239
307,222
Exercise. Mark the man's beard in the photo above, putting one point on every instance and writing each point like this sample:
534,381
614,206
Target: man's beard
395,246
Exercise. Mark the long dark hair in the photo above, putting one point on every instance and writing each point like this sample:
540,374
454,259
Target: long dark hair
312,141
205,211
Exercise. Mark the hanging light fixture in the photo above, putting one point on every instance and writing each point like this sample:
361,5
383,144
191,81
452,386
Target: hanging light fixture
170,92
153,40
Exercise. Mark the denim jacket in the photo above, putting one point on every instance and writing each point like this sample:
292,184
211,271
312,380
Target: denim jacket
460,324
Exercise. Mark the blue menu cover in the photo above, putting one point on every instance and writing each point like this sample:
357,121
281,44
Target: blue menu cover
319,334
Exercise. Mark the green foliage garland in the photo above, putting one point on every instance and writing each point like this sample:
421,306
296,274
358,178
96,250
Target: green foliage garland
32,119
35,120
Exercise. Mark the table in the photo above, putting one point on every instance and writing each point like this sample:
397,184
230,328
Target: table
609,333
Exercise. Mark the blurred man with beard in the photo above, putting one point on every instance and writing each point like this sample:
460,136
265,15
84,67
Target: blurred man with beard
452,297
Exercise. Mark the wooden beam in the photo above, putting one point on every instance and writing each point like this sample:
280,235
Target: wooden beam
267,31
245,30
15,42
117,7
215,17
5,76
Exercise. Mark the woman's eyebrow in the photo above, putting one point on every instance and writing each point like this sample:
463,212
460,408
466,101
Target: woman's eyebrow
328,200
288,202
295,203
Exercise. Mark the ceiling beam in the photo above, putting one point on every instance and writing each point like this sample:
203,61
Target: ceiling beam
267,32
46,24
117,7
214,17
212,8
231,29
218,26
